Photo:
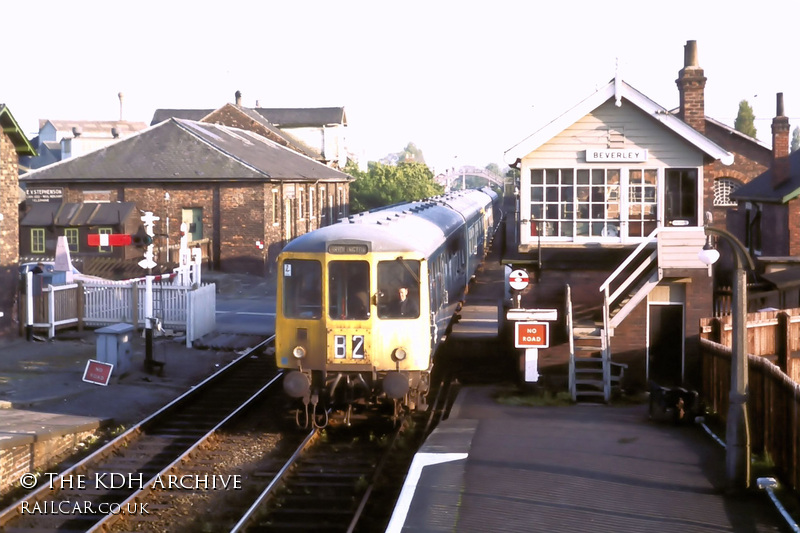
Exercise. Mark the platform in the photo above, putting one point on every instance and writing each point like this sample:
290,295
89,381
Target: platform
594,468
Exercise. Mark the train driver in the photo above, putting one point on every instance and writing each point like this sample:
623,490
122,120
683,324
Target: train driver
405,307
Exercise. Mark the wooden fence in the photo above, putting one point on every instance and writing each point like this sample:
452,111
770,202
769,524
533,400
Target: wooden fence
773,403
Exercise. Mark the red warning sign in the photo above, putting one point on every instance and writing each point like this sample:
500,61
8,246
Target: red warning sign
97,372
532,335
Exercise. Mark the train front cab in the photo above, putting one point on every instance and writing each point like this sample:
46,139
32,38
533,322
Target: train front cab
340,332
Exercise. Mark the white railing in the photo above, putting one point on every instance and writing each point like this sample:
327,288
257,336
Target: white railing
180,307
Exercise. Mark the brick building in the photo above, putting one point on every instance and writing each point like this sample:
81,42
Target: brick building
612,202
241,193
769,212
13,144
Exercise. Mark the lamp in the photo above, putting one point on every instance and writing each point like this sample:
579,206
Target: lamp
737,448
708,255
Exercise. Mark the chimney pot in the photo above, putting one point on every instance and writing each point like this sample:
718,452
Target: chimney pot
76,131
690,54
115,133
779,106
238,96
780,145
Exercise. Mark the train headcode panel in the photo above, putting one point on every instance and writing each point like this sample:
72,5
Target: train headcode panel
532,335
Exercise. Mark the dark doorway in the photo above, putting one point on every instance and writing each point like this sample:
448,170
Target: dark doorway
666,344
680,197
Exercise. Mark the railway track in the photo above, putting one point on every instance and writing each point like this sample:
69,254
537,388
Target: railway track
345,479
112,483
226,457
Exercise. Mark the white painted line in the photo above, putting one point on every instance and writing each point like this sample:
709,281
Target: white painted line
421,460
252,313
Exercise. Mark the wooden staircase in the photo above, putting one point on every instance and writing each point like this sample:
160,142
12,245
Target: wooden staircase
592,373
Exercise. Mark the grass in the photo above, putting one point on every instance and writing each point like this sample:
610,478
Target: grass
536,397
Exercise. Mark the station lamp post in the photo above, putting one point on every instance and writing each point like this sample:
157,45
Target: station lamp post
737,439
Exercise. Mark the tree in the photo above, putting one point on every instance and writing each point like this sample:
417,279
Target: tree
385,184
796,138
409,154
412,154
745,120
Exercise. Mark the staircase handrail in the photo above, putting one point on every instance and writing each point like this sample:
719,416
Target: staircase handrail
649,240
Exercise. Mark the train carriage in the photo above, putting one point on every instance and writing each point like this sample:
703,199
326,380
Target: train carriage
364,303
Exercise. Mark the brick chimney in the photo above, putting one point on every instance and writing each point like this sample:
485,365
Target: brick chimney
691,86
780,145
238,96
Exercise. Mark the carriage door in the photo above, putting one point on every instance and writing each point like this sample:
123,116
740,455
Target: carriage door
680,197
666,344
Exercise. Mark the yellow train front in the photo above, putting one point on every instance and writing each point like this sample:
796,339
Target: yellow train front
363,304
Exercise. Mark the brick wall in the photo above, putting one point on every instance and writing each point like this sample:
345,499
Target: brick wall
630,338
9,228
36,455
235,215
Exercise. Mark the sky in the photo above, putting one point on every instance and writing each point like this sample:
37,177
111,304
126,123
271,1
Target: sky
463,80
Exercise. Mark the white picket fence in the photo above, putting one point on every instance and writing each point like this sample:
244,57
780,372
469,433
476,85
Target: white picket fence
179,307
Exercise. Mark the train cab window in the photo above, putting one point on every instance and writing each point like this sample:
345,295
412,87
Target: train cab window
398,289
302,289
348,283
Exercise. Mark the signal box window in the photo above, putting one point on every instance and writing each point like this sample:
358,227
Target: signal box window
398,289
348,283
302,289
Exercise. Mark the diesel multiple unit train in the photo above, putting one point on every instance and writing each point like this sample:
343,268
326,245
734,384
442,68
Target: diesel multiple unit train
364,303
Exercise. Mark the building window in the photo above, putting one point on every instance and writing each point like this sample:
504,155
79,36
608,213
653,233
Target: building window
301,194
72,239
311,203
723,187
642,194
37,241
105,249
322,203
575,203
276,208
340,202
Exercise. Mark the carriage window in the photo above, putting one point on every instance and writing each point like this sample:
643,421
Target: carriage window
348,283
395,277
302,289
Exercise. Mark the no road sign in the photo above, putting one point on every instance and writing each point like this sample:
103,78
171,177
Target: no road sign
518,279
532,335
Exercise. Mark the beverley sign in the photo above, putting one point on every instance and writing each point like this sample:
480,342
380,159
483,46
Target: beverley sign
603,155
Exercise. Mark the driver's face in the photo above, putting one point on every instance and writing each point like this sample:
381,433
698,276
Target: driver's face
403,293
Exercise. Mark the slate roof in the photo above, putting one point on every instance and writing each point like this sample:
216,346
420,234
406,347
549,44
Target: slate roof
304,117
78,214
188,151
760,189
283,118
94,128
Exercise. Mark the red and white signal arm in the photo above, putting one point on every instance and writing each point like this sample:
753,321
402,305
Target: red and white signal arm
532,335
109,239
518,279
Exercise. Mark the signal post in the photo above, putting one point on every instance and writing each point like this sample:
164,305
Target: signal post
531,326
